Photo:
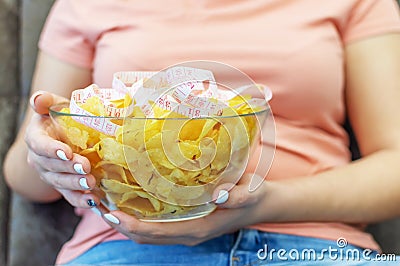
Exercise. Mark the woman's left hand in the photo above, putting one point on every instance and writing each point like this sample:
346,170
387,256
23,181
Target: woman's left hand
241,209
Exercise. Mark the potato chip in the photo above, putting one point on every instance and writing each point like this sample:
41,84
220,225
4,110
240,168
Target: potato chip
114,171
208,125
117,187
111,150
223,150
192,129
121,103
154,157
94,105
78,137
92,155
67,122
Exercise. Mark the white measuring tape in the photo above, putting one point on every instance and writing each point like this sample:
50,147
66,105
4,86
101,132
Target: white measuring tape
191,92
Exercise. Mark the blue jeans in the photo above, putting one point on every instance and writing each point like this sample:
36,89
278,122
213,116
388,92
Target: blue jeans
246,247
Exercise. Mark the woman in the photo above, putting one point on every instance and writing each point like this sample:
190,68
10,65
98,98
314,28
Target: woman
323,60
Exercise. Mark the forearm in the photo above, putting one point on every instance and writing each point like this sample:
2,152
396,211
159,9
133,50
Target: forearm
57,77
367,190
23,179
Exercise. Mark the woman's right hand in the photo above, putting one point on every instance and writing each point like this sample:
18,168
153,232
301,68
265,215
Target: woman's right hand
55,162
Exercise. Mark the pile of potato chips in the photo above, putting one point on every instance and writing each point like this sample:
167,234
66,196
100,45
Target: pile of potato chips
165,165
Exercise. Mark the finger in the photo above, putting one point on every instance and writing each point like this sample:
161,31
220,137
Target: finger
42,144
184,232
100,209
80,199
130,224
69,181
221,193
77,165
142,232
34,97
40,101
235,196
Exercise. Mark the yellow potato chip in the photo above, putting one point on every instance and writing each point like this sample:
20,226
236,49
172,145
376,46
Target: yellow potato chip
155,142
223,150
92,155
111,150
152,127
155,202
138,206
130,178
122,103
67,122
117,187
189,149
192,129
131,133
94,105
114,171
209,125
154,157
78,137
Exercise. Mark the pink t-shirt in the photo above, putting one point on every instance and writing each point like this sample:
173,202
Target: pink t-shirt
295,47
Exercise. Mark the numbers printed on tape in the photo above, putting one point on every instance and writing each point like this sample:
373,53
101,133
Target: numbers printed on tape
188,91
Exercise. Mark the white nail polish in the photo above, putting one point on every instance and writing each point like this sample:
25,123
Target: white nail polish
33,98
79,169
223,196
111,218
61,154
96,211
83,183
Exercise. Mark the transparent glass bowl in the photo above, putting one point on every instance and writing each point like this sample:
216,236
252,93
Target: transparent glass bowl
162,169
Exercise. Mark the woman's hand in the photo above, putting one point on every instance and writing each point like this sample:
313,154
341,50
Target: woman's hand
54,161
242,208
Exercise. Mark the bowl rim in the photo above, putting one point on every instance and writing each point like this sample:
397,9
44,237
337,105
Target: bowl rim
54,113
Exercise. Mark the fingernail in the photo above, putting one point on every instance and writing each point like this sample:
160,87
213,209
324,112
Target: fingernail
33,98
61,154
223,196
96,211
91,203
111,218
79,169
83,183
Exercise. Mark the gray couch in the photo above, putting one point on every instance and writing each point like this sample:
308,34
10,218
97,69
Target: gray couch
31,234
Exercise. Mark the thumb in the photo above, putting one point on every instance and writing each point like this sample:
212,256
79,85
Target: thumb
40,101
237,195
221,194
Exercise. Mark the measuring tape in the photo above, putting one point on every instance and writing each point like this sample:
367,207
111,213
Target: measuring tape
191,92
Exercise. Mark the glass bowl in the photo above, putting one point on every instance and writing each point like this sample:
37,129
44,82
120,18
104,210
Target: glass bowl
161,169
